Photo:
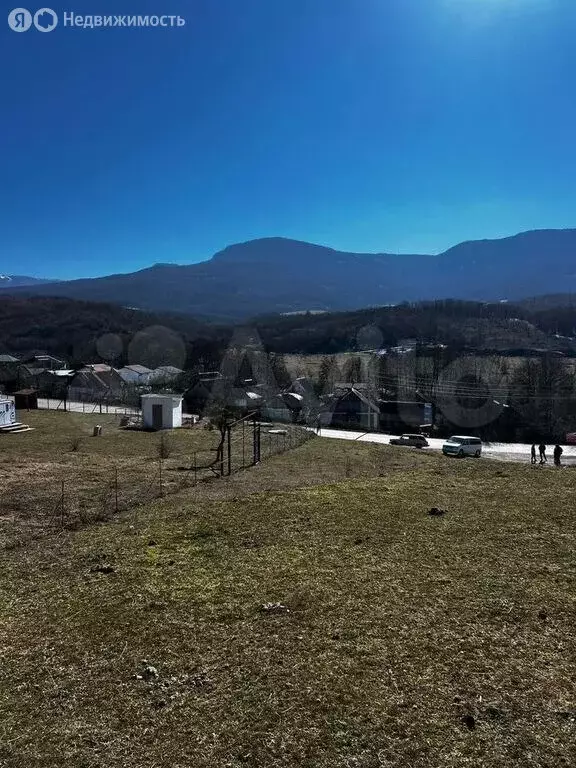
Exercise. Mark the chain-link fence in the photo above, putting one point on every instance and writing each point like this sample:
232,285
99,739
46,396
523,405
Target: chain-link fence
87,406
249,441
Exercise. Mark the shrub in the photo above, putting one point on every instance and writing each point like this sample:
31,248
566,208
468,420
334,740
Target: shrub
164,447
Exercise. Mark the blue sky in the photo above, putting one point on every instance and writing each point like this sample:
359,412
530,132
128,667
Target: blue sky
370,125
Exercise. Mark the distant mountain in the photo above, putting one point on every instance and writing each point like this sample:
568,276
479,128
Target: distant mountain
281,275
17,281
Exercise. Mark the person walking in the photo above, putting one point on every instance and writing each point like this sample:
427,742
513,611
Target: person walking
533,454
558,455
542,450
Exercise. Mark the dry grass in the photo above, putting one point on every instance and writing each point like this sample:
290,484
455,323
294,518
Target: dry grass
61,475
61,460
409,640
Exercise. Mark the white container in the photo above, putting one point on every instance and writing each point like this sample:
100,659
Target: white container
7,412
161,411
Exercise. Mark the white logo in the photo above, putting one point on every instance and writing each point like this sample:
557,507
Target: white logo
20,20
45,20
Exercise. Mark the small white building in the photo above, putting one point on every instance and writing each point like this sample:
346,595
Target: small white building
161,411
7,412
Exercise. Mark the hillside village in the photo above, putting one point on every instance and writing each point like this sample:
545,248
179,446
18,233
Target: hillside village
352,403
408,387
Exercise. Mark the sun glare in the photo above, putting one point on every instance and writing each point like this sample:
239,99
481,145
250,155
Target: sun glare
485,11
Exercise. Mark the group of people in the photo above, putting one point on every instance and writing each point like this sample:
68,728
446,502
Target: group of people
542,451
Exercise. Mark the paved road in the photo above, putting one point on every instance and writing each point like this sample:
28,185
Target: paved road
501,451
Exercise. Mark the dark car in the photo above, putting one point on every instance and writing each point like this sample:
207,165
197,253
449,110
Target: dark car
411,441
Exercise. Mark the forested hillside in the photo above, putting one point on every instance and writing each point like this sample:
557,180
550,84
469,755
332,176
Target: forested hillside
478,326
80,331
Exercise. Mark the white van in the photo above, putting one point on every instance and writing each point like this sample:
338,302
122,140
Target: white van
461,445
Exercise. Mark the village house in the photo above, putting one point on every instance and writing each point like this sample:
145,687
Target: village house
164,374
276,409
96,383
349,408
135,375
39,361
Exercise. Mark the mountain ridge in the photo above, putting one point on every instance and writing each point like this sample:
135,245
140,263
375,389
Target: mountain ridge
18,281
284,275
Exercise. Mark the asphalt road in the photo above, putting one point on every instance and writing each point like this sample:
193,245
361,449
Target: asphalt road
499,451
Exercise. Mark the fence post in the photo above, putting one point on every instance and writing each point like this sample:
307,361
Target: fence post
229,440
62,502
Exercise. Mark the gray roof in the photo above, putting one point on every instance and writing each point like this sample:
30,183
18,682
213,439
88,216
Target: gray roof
362,397
167,369
8,359
137,368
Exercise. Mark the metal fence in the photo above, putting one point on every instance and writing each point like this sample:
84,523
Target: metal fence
248,441
37,505
57,404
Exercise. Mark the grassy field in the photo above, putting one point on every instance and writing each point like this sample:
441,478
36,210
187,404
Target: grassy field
61,449
60,459
307,612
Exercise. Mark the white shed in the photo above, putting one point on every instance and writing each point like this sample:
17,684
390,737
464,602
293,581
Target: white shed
161,411
7,412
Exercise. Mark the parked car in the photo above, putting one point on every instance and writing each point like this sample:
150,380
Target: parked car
461,445
412,441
